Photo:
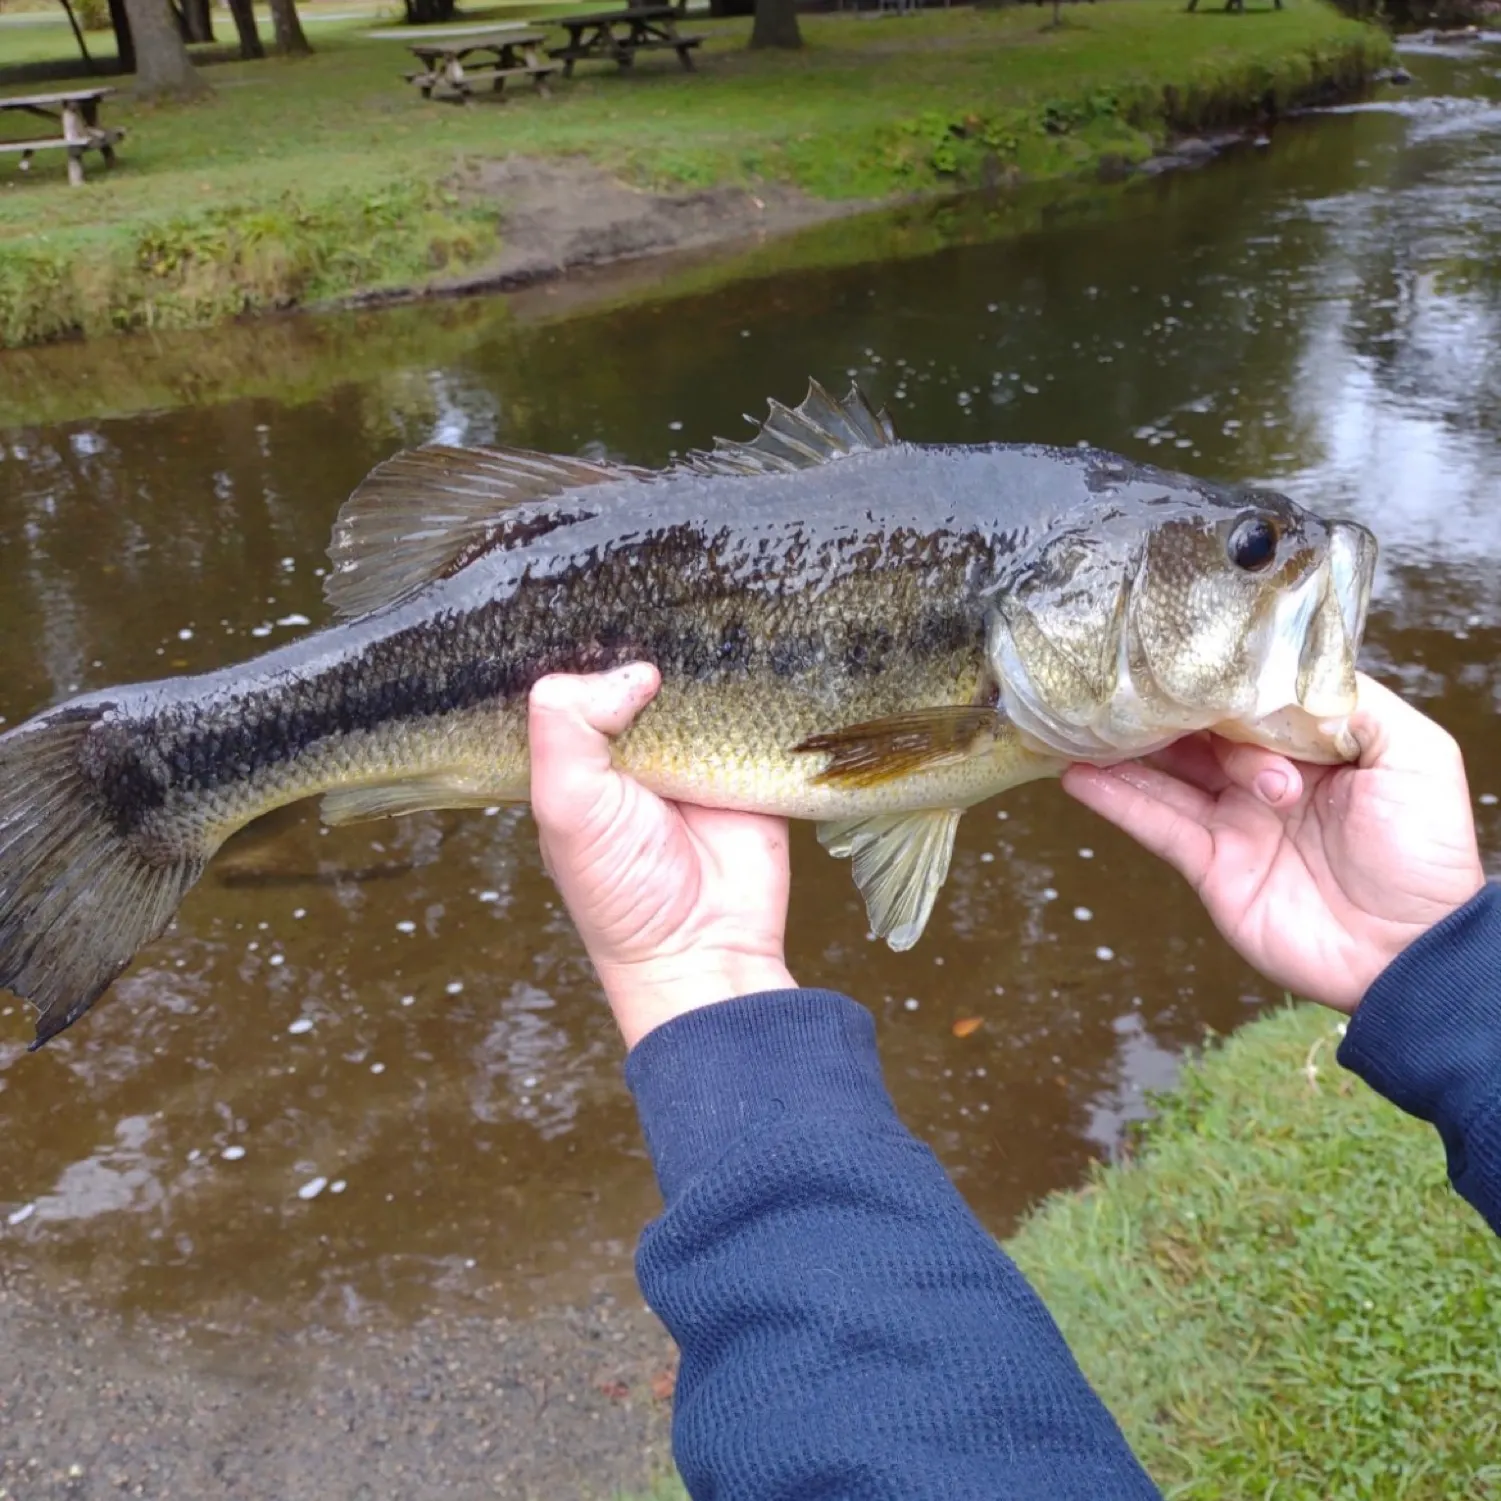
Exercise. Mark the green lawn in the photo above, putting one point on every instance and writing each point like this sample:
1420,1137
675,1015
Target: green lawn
303,179
1280,1297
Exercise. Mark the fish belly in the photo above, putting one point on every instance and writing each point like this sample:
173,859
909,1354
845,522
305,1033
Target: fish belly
734,746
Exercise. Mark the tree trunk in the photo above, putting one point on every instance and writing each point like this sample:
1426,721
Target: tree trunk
250,38
83,46
290,41
125,45
197,22
163,68
776,24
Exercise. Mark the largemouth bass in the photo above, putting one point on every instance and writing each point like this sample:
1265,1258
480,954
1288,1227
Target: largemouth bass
866,633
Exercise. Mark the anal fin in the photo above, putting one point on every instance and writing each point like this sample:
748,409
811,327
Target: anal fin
423,794
900,862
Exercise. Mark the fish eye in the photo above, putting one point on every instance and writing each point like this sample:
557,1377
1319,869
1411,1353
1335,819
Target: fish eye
1253,543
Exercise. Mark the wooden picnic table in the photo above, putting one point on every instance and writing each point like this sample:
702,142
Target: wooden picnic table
618,35
497,51
76,113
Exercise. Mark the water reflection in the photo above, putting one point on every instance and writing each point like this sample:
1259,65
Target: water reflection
402,1010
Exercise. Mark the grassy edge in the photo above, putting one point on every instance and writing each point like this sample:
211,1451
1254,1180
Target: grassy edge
210,265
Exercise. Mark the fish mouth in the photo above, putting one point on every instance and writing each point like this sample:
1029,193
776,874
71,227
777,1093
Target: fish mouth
1322,625
1352,566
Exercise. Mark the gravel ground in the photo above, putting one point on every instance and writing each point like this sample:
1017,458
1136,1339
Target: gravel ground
572,1403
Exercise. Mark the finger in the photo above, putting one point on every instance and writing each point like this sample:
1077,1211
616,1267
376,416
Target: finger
1191,760
1163,815
1268,777
1162,786
569,724
1393,735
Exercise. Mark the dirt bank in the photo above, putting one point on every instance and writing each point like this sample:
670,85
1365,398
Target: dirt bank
557,216
569,216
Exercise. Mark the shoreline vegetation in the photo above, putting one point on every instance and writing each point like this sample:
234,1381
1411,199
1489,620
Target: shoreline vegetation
327,180
1275,1290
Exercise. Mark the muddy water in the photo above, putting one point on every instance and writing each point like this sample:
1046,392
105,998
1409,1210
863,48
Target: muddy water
401,1014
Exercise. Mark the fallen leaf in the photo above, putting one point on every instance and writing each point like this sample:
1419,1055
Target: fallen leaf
662,1385
616,1391
968,1024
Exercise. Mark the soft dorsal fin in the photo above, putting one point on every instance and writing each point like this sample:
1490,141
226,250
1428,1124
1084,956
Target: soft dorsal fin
427,511
820,430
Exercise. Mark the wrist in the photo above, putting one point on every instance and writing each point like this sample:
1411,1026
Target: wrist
646,993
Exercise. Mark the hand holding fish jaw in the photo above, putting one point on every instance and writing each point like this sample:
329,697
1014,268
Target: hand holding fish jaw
678,906
1318,876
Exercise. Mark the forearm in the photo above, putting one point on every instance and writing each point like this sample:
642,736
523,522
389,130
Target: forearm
847,1328
1427,1035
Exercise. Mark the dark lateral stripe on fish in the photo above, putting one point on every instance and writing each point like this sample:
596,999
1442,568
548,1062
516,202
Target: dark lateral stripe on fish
445,665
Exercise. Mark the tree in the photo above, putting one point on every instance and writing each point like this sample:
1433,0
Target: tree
776,24
83,46
125,44
196,24
163,68
289,38
250,38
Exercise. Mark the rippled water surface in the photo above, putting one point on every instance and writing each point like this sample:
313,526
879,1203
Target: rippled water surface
367,1073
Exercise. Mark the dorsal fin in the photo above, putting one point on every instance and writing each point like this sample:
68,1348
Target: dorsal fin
820,430
427,511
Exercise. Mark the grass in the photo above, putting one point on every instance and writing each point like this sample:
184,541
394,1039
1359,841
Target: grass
303,180
1278,1294
1282,1297
666,1488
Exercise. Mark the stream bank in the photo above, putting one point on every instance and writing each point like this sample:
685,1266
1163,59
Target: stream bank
315,184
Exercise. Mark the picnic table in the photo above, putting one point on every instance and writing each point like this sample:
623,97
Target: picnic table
618,35
500,52
76,113
1231,5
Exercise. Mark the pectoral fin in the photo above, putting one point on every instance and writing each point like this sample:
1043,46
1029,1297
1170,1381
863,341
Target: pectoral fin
413,795
901,861
865,755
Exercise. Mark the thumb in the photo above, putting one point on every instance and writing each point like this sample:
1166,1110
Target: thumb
1267,776
1394,736
569,724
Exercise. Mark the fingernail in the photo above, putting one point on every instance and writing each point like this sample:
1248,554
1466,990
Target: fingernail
1271,786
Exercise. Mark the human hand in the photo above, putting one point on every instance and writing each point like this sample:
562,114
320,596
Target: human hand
1319,876
678,906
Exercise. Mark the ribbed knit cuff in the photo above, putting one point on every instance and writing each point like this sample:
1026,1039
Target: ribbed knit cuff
705,1079
1427,1035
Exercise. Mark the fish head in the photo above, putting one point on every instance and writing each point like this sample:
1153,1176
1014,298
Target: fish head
1229,609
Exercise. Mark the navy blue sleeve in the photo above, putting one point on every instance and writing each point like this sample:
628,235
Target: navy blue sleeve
848,1330
1427,1035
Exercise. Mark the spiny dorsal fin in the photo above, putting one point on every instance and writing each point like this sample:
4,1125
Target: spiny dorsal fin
427,511
820,430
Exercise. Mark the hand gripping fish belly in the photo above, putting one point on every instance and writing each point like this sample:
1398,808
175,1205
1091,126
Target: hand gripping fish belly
866,633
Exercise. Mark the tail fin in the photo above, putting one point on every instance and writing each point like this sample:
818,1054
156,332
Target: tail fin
77,897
